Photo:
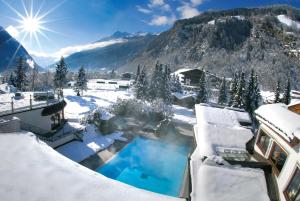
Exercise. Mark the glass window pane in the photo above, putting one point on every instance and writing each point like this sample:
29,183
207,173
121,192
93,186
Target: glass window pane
264,141
278,157
292,190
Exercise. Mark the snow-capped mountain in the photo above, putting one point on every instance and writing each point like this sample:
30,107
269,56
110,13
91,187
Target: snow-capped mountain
110,52
10,48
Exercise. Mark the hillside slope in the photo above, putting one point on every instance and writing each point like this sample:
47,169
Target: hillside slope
225,41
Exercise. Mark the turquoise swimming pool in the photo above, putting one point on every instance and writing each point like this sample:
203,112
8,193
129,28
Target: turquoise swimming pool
149,164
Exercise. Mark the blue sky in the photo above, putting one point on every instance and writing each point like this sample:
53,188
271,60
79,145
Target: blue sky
79,22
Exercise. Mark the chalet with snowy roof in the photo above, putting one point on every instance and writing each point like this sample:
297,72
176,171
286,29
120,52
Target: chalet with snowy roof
278,142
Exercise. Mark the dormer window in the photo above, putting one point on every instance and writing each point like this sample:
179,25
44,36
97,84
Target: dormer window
292,192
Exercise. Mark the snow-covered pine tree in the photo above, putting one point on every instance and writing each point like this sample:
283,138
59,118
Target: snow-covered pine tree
277,92
166,86
20,79
141,86
60,76
250,94
155,90
138,72
257,100
176,84
239,98
202,96
222,99
81,82
287,92
233,89
11,80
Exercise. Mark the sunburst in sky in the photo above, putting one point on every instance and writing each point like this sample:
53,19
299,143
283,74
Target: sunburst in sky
32,24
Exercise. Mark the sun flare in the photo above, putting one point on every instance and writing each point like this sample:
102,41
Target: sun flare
31,25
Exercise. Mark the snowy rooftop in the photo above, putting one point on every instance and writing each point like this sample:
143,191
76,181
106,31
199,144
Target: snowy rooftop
218,132
213,139
31,170
286,122
228,183
221,116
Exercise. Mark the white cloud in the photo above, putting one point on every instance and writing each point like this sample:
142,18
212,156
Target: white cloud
187,11
162,20
66,51
143,10
13,31
155,3
197,2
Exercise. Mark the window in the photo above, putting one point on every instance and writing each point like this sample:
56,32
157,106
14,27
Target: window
293,189
263,141
278,157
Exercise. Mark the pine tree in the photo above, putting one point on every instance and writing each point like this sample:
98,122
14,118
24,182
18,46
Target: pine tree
257,100
166,86
233,89
138,72
141,86
202,96
222,100
11,80
287,92
60,76
277,92
81,82
20,79
155,90
176,84
250,94
239,98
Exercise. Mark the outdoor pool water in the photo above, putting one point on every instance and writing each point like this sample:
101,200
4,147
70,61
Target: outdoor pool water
149,164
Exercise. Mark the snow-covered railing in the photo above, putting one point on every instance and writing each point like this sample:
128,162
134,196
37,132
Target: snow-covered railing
13,110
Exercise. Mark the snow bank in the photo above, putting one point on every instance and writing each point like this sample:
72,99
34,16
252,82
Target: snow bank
31,170
280,118
93,142
227,182
287,21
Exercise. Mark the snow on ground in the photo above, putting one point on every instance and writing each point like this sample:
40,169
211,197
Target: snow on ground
31,170
287,21
184,115
78,106
93,142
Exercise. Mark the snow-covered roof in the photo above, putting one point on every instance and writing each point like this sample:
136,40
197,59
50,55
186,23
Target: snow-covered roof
212,138
228,183
222,116
286,122
31,170
218,131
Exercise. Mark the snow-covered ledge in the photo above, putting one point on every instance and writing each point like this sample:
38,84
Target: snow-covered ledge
31,170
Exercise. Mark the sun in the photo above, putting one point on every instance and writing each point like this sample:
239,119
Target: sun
31,24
